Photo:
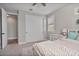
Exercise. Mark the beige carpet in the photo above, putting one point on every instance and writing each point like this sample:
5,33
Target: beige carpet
17,50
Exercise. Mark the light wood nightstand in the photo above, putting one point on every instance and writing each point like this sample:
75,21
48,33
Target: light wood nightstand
56,37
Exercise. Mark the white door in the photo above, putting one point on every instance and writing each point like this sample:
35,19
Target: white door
0,29
34,31
4,28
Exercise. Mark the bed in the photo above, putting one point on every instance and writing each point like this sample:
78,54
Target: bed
63,47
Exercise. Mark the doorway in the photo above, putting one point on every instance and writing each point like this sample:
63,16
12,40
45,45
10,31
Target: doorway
12,29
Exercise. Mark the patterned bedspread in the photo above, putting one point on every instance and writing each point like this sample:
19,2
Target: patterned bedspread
58,48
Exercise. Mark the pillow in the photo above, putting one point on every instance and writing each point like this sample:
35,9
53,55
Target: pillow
72,35
78,37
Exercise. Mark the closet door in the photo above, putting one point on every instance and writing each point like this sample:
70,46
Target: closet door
34,30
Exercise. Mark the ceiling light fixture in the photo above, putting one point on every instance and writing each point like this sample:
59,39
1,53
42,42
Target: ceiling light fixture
36,4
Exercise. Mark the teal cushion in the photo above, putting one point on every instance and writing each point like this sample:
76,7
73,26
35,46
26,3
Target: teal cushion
72,35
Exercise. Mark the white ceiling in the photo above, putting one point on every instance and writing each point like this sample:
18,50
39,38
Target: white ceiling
50,7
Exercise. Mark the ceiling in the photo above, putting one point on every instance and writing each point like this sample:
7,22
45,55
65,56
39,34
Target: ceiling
39,9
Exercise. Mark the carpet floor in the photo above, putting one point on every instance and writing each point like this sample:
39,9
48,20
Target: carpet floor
17,50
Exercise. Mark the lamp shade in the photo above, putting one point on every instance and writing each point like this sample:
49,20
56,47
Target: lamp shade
64,30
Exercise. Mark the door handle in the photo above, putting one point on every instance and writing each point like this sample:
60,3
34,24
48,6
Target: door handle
2,33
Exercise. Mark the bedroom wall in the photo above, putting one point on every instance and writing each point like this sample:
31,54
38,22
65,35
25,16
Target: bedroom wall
21,27
66,18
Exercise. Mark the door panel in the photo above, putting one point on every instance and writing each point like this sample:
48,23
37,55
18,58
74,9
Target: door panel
0,28
34,31
4,28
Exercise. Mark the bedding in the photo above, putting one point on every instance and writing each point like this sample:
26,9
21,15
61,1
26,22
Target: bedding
64,47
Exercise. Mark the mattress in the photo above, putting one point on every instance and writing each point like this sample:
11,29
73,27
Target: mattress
57,48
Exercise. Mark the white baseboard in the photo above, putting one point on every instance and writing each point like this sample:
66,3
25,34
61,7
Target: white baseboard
36,41
10,38
22,43
31,42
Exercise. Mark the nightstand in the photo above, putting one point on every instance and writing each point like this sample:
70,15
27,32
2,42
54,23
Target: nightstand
55,36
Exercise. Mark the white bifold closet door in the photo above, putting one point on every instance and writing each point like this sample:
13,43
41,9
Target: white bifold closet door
34,28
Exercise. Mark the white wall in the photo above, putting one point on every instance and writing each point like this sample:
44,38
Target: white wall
12,27
21,27
65,18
